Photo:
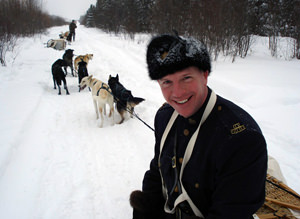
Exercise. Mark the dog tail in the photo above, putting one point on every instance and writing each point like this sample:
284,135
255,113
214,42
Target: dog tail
135,100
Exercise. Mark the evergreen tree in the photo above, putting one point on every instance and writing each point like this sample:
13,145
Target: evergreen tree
90,19
224,26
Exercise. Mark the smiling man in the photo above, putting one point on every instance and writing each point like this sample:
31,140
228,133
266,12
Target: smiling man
210,156
185,91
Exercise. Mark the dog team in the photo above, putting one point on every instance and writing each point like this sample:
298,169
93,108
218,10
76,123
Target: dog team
59,68
102,93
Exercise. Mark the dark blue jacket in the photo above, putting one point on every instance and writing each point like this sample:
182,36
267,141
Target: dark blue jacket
225,176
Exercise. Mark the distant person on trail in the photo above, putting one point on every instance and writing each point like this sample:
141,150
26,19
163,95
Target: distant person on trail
72,28
210,157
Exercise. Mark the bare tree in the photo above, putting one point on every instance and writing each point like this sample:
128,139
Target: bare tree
21,18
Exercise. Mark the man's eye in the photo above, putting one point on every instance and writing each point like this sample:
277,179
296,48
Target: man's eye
187,77
166,82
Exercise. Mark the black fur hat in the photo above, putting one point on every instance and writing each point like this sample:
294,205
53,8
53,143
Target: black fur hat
167,54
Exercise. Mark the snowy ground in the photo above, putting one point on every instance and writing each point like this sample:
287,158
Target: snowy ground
55,162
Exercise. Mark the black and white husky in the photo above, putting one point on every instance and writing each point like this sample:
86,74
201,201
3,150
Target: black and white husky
124,99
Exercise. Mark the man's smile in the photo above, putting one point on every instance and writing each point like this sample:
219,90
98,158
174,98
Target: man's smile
182,101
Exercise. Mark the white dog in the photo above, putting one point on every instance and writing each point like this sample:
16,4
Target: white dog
101,94
59,44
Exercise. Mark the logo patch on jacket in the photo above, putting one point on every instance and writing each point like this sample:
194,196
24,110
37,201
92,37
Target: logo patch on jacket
237,128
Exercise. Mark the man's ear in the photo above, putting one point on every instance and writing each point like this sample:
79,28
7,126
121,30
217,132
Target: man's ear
206,73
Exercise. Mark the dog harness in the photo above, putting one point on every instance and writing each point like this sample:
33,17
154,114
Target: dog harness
103,87
188,152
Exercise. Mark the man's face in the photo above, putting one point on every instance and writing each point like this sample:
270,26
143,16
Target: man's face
185,90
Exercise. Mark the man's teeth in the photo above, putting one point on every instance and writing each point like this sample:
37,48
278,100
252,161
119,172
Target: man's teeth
182,101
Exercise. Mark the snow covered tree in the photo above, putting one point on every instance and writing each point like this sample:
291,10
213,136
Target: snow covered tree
224,26
90,19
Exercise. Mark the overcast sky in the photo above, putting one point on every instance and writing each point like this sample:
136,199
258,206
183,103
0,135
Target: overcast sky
69,9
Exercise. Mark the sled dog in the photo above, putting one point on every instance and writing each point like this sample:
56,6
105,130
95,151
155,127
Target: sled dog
86,58
124,99
68,57
63,35
101,94
69,38
82,72
58,44
59,75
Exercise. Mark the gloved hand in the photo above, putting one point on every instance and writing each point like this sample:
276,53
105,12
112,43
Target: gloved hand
147,205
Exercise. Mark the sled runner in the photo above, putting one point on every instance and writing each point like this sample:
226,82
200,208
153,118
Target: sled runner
281,201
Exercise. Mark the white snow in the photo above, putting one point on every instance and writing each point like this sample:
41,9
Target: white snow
55,162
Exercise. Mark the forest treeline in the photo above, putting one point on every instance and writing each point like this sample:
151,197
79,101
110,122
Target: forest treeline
22,18
224,26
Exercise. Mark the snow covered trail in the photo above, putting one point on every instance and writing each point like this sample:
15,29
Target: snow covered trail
59,163
55,162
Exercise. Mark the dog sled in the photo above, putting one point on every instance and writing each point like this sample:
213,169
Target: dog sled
58,44
281,201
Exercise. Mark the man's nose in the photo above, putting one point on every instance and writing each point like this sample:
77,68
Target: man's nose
178,89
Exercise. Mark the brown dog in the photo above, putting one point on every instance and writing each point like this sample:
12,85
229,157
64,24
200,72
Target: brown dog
63,35
85,58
